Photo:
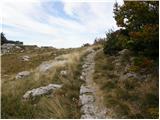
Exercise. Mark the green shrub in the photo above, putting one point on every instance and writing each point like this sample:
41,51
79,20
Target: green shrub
115,41
147,40
111,46
151,100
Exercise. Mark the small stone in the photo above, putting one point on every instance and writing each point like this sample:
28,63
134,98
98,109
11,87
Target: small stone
86,99
117,64
81,77
25,58
84,66
88,109
22,51
83,74
63,72
87,116
22,74
129,75
85,89
17,47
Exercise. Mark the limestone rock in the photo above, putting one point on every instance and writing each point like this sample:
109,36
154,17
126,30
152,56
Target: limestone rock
84,98
17,47
82,78
88,109
117,64
25,58
85,89
5,48
22,74
41,91
63,72
22,51
45,66
130,75
87,116
84,66
83,74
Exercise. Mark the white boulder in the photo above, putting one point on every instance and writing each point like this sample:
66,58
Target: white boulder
41,91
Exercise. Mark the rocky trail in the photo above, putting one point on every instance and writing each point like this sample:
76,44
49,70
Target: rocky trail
90,96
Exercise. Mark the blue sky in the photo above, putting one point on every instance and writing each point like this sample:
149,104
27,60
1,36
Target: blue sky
58,23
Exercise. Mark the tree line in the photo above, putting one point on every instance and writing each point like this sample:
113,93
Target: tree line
139,29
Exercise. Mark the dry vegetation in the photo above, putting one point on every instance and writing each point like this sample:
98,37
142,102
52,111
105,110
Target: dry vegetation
130,98
61,104
12,63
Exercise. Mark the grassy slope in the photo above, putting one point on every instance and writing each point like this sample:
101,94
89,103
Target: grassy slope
128,98
63,104
12,63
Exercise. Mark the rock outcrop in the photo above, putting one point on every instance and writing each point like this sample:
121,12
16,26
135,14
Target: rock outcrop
5,48
126,61
45,66
41,91
25,58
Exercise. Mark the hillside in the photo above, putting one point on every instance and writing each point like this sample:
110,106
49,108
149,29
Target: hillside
86,84
115,77
129,84
28,77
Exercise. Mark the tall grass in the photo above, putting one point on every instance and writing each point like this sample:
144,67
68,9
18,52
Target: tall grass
60,104
130,98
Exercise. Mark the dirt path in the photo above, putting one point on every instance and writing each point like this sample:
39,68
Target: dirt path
90,95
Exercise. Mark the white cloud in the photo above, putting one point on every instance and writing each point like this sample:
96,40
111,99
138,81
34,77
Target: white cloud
90,20
95,16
